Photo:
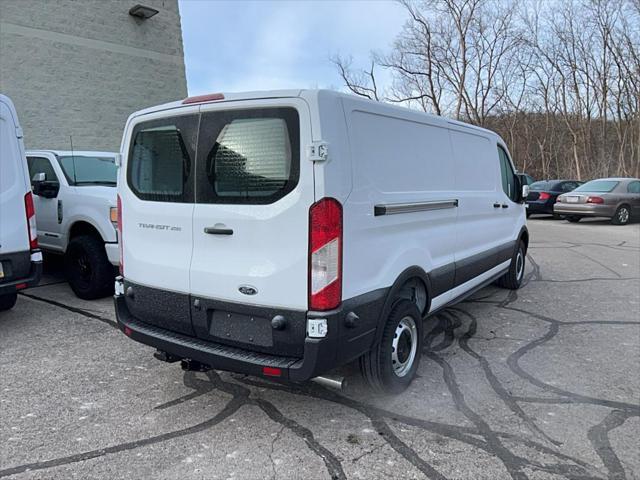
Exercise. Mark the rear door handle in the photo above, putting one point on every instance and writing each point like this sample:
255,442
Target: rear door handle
496,205
504,205
218,231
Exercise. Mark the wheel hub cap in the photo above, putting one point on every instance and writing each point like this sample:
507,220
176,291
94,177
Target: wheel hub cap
623,215
519,265
404,346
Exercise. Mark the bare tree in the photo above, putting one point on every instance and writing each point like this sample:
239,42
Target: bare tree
559,81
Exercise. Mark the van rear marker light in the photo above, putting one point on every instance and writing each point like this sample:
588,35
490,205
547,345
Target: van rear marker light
272,371
212,97
394,208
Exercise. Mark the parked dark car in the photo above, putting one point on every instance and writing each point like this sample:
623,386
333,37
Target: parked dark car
543,194
615,198
528,179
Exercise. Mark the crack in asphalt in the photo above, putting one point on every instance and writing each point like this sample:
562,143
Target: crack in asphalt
509,460
497,386
79,311
598,435
480,435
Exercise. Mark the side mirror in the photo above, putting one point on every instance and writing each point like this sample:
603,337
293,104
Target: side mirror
39,177
42,187
522,188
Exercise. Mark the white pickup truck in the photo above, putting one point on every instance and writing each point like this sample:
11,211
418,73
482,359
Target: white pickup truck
75,203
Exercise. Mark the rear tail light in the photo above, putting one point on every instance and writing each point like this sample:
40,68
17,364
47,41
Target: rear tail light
598,200
31,221
120,239
544,196
325,254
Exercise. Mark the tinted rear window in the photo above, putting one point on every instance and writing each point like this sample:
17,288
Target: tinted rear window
540,186
161,159
598,186
248,156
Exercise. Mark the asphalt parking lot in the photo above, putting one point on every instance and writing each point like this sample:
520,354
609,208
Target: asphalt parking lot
540,384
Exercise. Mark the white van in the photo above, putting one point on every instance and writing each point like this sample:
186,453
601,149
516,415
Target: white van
20,259
286,233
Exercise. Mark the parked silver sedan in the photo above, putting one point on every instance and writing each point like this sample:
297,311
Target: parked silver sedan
614,198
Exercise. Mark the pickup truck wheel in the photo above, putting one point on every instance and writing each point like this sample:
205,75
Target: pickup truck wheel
89,272
8,301
513,278
392,364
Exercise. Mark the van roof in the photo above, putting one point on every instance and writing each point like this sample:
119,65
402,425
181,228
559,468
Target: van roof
304,93
68,153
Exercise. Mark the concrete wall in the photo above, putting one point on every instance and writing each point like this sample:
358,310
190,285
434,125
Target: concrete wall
81,67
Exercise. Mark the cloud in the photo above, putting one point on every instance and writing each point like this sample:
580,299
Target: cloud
247,45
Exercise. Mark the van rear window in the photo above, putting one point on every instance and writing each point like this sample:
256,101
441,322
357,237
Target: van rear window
247,156
161,159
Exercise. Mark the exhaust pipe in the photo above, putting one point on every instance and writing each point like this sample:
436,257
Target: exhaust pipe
338,383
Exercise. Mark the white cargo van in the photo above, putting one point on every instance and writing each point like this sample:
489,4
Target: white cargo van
20,259
286,233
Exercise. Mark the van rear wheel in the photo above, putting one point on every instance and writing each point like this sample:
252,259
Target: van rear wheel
392,364
514,276
89,272
8,301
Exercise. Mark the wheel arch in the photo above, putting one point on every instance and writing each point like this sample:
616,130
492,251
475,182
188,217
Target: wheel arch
524,237
83,227
395,293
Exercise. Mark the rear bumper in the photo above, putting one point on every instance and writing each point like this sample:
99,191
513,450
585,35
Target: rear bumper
539,207
584,209
319,354
30,280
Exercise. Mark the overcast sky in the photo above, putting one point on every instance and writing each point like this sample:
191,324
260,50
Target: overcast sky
259,45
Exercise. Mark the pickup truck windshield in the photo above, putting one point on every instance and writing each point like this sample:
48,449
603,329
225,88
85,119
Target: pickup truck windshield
83,170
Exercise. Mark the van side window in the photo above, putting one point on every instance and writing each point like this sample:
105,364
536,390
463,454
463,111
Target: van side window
161,159
249,156
508,175
41,165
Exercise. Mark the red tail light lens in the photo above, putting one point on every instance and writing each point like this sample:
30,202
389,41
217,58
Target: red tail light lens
325,254
31,221
212,97
272,371
120,246
544,196
598,200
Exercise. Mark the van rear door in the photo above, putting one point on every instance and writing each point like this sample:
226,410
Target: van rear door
157,195
254,188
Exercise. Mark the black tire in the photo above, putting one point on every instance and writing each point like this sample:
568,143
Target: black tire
555,216
622,215
514,276
88,270
8,301
392,364
573,218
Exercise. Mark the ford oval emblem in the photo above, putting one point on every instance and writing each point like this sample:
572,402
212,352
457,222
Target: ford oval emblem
247,290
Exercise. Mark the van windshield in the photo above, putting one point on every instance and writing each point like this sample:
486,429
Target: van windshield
88,170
